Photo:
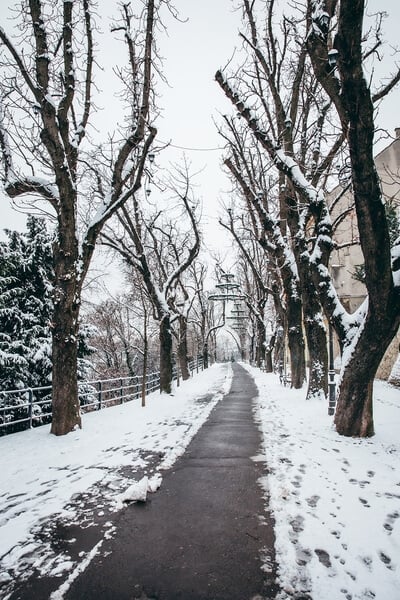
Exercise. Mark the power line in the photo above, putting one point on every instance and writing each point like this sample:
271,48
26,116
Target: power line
192,149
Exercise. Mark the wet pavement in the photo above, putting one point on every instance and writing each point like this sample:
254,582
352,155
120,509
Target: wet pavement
206,533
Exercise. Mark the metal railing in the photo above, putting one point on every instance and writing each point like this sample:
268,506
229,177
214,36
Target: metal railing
31,407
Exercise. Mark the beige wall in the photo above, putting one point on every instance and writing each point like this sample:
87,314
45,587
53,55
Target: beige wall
348,255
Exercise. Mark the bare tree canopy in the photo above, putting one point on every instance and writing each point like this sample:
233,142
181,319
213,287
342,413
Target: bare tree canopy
46,94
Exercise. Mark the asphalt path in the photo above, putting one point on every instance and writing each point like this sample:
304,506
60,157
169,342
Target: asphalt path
205,534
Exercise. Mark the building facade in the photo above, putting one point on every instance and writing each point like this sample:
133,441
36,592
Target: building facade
347,260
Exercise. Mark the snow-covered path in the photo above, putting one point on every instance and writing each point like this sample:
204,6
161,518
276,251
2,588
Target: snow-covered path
335,500
79,478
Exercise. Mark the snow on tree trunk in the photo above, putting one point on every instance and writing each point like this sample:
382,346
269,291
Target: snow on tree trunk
316,344
354,415
318,355
394,377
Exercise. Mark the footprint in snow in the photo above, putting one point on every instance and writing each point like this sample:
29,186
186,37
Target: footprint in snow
347,464
351,575
367,561
297,524
312,501
286,461
361,483
336,534
387,561
303,555
390,520
364,502
323,557
297,481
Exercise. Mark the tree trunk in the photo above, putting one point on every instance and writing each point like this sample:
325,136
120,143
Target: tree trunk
182,349
318,354
269,367
145,357
260,344
65,400
296,342
165,355
205,355
354,415
316,338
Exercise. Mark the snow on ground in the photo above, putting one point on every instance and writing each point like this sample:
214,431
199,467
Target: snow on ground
86,475
335,500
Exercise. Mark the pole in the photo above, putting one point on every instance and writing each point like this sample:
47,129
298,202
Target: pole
331,374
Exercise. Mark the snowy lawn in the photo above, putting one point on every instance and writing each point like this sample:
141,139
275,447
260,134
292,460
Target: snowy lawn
335,500
48,480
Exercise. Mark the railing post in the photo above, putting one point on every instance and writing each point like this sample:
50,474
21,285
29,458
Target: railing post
30,407
99,395
121,395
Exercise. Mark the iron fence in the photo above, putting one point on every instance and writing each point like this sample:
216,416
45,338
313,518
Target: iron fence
31,407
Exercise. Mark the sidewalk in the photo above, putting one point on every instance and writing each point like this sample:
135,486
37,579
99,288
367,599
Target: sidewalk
201,535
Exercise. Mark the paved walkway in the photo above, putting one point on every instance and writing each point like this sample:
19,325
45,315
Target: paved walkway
201,535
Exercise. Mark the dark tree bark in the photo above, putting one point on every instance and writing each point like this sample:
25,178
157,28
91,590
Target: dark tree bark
205,355
59,117
269,365
366,342
165,355
295,342
260,343
315,335
183,348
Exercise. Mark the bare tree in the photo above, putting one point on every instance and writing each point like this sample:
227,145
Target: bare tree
365,334
279,83
248,171
158,248
46,105
203,315
256,274
374,325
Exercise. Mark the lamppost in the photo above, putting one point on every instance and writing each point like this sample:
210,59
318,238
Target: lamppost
331,374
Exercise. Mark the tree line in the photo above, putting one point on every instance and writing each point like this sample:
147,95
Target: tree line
301,106
305,106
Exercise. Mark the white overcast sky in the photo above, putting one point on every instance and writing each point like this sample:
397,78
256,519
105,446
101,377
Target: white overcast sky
192,52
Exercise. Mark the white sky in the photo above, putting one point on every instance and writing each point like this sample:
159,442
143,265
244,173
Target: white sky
192,52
